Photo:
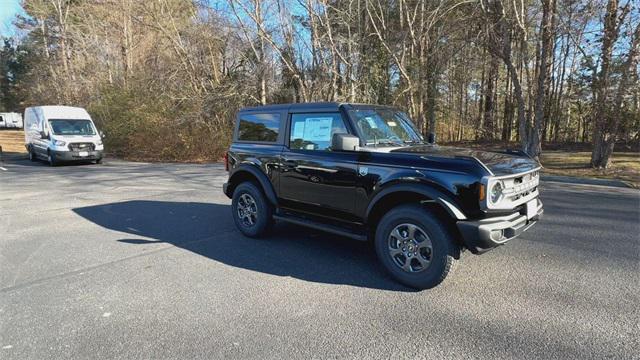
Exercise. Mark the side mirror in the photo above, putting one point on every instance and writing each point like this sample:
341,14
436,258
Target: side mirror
344,142
101,134
44,135
432,138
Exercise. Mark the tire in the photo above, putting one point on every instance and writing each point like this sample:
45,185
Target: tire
432,244
51,159
252,212
99,161
32,155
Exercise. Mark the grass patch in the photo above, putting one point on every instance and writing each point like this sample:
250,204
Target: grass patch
625,166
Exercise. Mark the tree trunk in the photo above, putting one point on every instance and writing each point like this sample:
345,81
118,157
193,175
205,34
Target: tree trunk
489,100
534,145
601,156
606,121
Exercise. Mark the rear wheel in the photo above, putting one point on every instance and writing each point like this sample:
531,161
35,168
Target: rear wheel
415,247
252,213
99,161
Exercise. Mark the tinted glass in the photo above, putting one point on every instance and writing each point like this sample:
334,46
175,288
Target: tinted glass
259,127
71,127
315,131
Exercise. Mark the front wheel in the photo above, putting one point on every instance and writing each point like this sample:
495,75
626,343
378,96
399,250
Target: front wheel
415,247
32,155
51,159
252,213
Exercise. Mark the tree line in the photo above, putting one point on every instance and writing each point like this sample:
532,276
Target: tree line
165,77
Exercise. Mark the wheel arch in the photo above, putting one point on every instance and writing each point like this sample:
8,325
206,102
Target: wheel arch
402,193
438,203
253,174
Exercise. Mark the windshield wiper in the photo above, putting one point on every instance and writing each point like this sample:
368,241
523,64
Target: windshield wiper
383,142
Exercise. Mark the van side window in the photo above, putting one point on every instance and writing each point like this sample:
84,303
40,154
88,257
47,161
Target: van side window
31,121
259,127
315,131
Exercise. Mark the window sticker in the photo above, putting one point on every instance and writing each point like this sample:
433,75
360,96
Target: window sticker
317,129
298,130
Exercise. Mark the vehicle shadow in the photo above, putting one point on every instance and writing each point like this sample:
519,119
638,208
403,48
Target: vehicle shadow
208,230
22,159
13,156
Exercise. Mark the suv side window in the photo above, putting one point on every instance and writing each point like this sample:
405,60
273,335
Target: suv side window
259,127
315,131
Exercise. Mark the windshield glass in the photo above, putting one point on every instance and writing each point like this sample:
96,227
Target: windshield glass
385,127
71,127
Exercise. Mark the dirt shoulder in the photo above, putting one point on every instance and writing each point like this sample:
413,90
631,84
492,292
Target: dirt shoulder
12,141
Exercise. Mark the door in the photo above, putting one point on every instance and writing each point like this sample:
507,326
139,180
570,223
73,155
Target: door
313,178
39,144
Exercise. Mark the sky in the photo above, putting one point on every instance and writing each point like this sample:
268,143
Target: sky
8,11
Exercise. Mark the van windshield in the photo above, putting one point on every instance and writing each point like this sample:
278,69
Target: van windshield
71,127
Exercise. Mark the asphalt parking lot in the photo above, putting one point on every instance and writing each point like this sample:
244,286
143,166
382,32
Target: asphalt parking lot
133,260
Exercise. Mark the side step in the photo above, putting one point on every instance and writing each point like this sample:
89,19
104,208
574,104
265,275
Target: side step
320,226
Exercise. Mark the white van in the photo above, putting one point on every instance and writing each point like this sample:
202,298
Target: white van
61,133
10,121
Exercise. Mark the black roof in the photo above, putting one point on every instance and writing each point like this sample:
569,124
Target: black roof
312,106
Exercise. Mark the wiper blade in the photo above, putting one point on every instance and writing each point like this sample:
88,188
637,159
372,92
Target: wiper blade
387,143
383,142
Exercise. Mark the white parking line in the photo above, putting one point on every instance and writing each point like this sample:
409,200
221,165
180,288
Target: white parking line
1,168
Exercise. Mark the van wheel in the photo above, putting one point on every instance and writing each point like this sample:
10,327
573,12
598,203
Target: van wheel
32,155
415,247
252,213
51,159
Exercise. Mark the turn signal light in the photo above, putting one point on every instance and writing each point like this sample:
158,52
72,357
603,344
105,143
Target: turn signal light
482,192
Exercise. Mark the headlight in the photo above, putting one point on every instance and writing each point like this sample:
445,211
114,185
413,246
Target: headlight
99,143
59,143
495,192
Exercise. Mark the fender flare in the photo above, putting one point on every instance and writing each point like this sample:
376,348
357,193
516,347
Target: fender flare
446,201
262,179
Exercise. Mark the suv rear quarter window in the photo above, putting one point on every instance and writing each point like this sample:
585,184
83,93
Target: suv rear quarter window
260,127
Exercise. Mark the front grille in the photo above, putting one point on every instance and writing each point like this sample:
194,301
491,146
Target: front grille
521,186
81,147
518,189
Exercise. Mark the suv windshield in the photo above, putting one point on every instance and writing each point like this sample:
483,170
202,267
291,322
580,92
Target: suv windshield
71,127
385,127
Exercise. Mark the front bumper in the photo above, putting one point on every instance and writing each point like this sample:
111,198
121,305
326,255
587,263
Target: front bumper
75,155
225,189
483,235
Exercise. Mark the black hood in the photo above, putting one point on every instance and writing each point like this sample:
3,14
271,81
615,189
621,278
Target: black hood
499,162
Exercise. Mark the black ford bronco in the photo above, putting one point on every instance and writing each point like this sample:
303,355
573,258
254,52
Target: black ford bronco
365,172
